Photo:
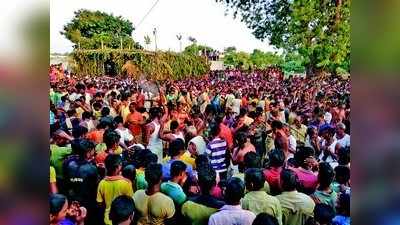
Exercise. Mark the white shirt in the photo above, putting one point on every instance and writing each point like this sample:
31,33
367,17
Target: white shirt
345,141
125,134
232,215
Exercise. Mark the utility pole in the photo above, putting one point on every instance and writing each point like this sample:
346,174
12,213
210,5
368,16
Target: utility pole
155,37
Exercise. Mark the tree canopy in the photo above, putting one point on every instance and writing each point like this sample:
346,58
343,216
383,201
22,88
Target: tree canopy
194,49
319,31
89,29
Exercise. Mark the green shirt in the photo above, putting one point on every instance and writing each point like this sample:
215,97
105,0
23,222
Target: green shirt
141,182
326,198
174,191
58,154
266,187
261,202
296,207
198,214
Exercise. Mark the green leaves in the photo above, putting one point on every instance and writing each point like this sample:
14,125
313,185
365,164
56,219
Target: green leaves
319,30
88,29
158,66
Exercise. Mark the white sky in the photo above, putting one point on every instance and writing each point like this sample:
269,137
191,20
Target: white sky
203,19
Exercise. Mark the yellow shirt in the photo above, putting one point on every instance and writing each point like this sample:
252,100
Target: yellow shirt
198,214
52,175
125,112
110,188
261,202
185,157
299,133
79,112
153,209
297,207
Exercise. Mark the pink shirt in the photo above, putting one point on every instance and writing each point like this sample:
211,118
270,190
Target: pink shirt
307,178
273,177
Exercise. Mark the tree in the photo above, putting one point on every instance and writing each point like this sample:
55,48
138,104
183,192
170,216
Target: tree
94,29
262,60
238,60
230,49
194,49
179,37
147,41
319,30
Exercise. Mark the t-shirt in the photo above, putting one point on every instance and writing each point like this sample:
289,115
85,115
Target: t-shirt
58,154
166,167
216,150
273,177
344,142
297,207
260,202
110,188
95,136
307,178
125,135
52,175
226,134
141,182
326,198
174,191
137,118
153,209
198,209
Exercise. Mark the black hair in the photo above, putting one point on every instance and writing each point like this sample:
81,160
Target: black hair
112,162
97,105
276,124
149,158
122,207
254,179
265,219
206,178
154,112
344,156
79,131
102,125
153,174
129,172
110,138
289,180
84,147
201,160
105,111
86,115
325,175
344,204
177,167
214,129
175,147
234,191
302,154
242,112
241,138
252,160
173,125
71,112
57,201
276,158
342,174
323,213
118,120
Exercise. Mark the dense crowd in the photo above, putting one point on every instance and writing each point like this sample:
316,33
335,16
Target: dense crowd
232,147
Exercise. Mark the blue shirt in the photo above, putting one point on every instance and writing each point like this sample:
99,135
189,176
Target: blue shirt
174,191
166,170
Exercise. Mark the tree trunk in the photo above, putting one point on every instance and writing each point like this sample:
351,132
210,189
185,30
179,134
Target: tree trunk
310,70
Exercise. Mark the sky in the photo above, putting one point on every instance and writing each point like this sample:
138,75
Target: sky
203,19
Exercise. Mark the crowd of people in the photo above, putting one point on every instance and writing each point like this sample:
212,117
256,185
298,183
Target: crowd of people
232,147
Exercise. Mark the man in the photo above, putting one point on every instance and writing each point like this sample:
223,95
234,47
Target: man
324,193
176,152
216,151
198,209
125,134
152,139
173,187
257,200
297,207
82,177
341,137
135,121
112,186
232,213
299,130
153,206
122,210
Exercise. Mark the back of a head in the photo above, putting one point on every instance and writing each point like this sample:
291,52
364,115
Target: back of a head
154,112
176,147
177,167
234,191
323,214
344,156
105,111
118,120
174,125
276,158
254,179
84,147
86,115
289,180
206,178
214,129
342,174
56,202
252,160
122,209
112,162
265,219
110,138
79,131
153,174
302,154
276,124
129,172
325,175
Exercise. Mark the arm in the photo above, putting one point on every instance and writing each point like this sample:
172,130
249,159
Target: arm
149,129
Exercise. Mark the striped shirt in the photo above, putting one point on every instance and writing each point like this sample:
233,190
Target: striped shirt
216,150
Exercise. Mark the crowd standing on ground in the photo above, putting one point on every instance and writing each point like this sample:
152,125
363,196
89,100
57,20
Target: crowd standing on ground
232,147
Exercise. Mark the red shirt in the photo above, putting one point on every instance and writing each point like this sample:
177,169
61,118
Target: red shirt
226,134
307,178
137,118
273,177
